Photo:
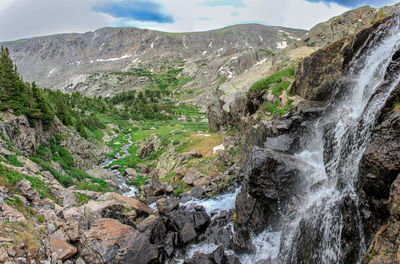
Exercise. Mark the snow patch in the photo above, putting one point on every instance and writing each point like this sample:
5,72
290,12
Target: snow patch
210,45
91,61
204,52
221,49
261,39
78,62
281,45
135,60
50,72
260,62
152,45
218,148
114,59
101,46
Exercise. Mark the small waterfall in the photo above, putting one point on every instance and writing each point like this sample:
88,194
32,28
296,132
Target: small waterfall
325,225
316,231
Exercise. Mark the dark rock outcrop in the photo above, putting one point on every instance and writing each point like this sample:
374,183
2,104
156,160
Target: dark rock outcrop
316,75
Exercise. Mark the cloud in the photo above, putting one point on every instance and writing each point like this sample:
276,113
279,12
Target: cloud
203,19
27,18
355,3
140,10
234,3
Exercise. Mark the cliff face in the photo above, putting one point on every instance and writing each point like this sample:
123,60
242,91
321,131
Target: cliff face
27,139
317,74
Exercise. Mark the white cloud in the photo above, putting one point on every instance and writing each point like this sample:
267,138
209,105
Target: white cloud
27,18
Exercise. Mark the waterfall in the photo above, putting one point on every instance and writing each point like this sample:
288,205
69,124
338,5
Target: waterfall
325,225
314,232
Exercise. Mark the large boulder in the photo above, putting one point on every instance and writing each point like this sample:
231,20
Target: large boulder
94,210
101,173
109,241
25,187
60,246
151,144
167,161
74,223
132,203
10,214
271,179
197,179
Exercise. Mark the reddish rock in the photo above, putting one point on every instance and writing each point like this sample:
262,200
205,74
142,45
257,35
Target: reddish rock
60,246
26,189
10,213
110,241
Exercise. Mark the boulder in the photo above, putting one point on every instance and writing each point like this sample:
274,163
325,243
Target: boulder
109,241
218,256
94,210
187,234
165,205
271,178
167,161
131,173
3,255
151,144
101,173
74,223
11,214
60,246
154,228
138,206
25,187
197,179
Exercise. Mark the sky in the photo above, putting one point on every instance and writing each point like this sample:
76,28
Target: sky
30,18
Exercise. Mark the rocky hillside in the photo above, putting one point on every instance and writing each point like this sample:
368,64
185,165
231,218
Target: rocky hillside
81,62
346,24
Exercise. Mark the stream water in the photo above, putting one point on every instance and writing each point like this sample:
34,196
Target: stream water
126,189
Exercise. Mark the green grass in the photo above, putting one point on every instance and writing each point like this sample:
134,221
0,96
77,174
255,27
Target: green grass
167,177
95,185
396,107
177,192
139,181
13,160
64,180
81,198
10,177
274,80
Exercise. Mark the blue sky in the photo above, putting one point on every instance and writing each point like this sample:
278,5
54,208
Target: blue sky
28,18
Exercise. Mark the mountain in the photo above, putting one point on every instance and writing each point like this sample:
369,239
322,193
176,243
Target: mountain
71,62
295,159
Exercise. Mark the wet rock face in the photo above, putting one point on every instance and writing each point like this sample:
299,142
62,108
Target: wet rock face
380,165
218,256
272,178
317,74
384,246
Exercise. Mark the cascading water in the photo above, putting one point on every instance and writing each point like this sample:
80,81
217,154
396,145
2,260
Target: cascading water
327,217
